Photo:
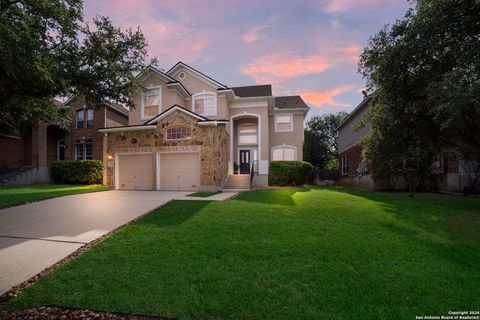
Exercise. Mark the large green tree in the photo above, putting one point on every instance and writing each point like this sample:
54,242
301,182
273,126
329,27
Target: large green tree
48,50
320,147
424,71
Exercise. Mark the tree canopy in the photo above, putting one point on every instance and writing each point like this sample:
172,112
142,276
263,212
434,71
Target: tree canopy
320,147
424,73
48,50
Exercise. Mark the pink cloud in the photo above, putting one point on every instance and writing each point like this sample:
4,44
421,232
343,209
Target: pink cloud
170,39
278,67
253,35
326,97
331,6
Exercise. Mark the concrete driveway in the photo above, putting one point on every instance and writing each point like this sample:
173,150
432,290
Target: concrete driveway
37,235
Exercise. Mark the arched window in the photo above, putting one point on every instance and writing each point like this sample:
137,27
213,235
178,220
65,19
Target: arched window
284,153
247,133
205,103
179,133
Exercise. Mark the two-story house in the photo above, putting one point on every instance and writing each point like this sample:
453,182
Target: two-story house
451,174
191,132
26,156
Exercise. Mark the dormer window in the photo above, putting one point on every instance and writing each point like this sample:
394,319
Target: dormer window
179,133
151,102
205,103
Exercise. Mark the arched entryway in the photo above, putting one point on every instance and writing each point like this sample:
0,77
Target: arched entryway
55,144
245,144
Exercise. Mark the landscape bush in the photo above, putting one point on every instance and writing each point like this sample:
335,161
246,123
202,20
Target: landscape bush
284,173
78,171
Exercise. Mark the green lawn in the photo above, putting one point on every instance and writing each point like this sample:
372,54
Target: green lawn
202,194
320,253
10,196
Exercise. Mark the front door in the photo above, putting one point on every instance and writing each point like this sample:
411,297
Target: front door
244,161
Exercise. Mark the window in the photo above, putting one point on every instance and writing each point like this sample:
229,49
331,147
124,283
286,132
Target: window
179,133
283,153
345,165
85,118
205,104
283,123
84,151
247,134
89,118
151,102
80,119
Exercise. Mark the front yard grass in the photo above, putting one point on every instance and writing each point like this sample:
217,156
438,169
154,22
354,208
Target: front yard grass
202,194
314,253
10,196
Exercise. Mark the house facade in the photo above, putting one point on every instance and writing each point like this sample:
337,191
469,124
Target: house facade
27,156
191,132
451,173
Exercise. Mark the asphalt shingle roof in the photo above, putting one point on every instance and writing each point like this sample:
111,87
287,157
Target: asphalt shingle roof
253,91
290,102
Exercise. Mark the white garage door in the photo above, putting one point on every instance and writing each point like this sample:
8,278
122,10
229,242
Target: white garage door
135,171
179,171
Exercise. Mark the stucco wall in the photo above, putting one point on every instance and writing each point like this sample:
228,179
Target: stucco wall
294,138
209,141
169,98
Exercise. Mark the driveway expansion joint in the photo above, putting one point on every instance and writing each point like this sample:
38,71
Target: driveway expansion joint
43,239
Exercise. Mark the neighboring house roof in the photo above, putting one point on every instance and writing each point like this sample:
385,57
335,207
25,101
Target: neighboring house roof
253,91
366,101
111,105
57,102
195,71
290,102
118,107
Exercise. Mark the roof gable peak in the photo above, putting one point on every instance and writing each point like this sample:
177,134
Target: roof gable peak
196,73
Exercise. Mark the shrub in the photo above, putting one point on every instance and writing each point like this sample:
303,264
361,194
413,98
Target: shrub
78,171
283,173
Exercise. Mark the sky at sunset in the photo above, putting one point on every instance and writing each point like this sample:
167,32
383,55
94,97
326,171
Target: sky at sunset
306,47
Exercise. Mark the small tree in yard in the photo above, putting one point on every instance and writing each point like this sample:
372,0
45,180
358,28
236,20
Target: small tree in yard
424,71
321,147
48,51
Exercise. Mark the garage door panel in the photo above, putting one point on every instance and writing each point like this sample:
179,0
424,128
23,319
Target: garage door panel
179,171
136,171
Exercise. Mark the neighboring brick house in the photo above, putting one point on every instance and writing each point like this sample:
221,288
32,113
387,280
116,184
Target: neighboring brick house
26,156
191,132
357,172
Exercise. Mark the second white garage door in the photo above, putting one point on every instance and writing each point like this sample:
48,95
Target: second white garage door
179,171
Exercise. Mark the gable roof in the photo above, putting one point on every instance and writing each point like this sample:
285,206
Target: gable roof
196,72
173,108
290,102
253,91
365,102
157,72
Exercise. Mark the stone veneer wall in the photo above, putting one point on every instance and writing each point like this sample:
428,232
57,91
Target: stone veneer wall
210,141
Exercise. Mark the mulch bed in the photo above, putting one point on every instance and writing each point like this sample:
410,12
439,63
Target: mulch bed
57,313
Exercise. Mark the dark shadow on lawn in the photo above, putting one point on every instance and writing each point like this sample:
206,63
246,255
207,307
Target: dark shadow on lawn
455,216
281,197
175,213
